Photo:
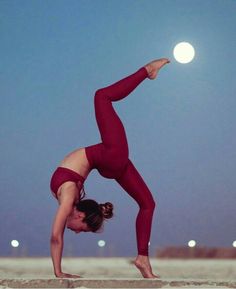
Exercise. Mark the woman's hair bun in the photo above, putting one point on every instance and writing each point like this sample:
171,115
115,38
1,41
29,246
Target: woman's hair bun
107,210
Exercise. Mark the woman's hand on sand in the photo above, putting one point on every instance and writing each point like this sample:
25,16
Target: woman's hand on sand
66,275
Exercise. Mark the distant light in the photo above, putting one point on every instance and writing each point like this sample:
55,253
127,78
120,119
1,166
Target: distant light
184,52
101,243
15,243
192,243
234,244
149,243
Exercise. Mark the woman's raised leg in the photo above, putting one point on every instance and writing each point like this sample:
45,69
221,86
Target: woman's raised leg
109,124
111,156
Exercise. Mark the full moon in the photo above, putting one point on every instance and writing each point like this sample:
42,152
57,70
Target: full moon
184,52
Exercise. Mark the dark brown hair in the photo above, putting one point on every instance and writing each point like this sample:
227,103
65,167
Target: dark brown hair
95,213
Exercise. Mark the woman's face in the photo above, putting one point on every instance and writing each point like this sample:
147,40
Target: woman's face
75,222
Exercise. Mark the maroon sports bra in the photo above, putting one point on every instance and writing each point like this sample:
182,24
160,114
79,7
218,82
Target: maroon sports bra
62,175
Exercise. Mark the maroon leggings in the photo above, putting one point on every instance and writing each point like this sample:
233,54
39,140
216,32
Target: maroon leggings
111,156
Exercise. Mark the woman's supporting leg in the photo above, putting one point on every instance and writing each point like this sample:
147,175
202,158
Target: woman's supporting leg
111,156
132,182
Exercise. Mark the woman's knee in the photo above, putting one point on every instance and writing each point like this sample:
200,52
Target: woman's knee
99,93
148,204
152,205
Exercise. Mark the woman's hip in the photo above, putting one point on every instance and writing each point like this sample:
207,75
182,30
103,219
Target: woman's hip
110,162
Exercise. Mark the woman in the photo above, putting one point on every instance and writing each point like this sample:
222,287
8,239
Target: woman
110,158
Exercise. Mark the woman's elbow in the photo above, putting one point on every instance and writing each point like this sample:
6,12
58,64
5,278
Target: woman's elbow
55,239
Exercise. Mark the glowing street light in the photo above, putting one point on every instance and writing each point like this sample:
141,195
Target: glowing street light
234,244
192,243
15,243
101,243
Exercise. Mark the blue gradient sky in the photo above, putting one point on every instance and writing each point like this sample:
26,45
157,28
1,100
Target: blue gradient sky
181,127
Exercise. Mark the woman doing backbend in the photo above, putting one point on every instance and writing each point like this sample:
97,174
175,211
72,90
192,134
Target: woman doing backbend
111,159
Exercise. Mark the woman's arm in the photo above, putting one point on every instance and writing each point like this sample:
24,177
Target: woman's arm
57,236
56,242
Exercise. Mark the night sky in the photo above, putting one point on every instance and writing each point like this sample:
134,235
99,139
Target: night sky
181,127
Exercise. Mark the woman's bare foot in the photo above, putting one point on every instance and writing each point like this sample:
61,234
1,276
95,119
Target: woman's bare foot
154,66
144,266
